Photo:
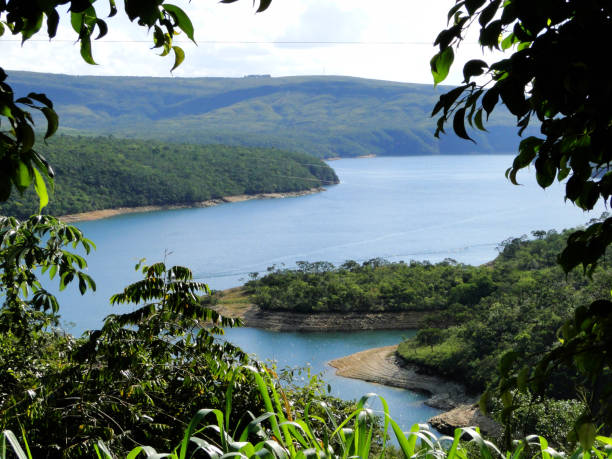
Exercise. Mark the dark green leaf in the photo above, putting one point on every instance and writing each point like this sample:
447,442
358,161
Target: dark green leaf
102,28
42,98
52,121
459,124
472,5
478,120
489,100
489,12
52,22
263,5
472,68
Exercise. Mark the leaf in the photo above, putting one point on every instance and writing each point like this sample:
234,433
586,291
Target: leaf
86,50
441,63
42,98
52,121
182,20
545,172
472,5
41,190
488,13
453,10
102,28
478,120
52,22
489,100
263,5
459,124
472,68
113,8
586,435
179,57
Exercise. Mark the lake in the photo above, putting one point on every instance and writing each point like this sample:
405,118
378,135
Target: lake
398,208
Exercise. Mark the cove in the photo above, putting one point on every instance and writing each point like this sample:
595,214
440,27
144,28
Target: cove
399,208
314,350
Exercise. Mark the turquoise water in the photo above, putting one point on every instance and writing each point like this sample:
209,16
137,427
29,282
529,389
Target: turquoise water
314,350
401,208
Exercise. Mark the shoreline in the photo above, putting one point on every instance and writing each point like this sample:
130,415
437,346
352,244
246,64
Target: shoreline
107,213
381,365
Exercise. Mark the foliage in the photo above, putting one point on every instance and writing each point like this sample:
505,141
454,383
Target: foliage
554,75
457,289
35,245
275,434
324,116
105,172
21,164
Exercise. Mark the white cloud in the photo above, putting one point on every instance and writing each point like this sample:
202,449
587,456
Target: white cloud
396,36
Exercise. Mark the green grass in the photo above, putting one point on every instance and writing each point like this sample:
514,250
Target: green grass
278,434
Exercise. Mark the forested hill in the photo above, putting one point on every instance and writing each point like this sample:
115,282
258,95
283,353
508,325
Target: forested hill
105,172
322,116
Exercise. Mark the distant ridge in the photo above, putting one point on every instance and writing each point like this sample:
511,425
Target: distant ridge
326,116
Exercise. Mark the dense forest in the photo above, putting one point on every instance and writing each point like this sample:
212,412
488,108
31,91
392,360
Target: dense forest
322,116
107,172
380,286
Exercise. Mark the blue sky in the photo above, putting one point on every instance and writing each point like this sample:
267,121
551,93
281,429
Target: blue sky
396,42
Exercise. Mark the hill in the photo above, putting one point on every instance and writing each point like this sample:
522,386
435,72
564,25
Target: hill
320,115
106,172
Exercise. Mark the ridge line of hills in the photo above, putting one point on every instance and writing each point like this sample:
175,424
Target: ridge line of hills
325,116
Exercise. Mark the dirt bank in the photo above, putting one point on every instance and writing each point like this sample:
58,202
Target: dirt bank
383,366
105,213
290,321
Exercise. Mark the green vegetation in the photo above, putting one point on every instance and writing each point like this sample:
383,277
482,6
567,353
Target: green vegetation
474,315
282,433
524,268
319,115
105,172
553,79
135,381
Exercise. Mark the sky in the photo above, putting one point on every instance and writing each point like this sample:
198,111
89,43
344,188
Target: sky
382,39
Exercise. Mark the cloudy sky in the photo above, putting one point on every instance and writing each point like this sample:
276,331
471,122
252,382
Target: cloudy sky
382,39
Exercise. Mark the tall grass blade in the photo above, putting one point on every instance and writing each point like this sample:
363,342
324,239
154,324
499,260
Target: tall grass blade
12,439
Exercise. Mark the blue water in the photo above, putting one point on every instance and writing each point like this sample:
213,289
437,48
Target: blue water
314,350
401,208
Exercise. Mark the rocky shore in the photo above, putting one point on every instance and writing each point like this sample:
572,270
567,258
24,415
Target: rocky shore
290,321
383,366
105,213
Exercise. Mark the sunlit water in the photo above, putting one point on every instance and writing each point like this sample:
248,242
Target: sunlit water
400,208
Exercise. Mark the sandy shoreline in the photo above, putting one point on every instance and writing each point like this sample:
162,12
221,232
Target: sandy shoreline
105,213
381,365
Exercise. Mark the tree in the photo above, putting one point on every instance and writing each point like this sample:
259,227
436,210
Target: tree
20,165
553,79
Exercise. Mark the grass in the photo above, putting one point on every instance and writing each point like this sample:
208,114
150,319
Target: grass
277,434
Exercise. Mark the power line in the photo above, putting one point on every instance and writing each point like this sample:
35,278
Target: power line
252,42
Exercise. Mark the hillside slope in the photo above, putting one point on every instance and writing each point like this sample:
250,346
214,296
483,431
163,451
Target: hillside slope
105,172
320,115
